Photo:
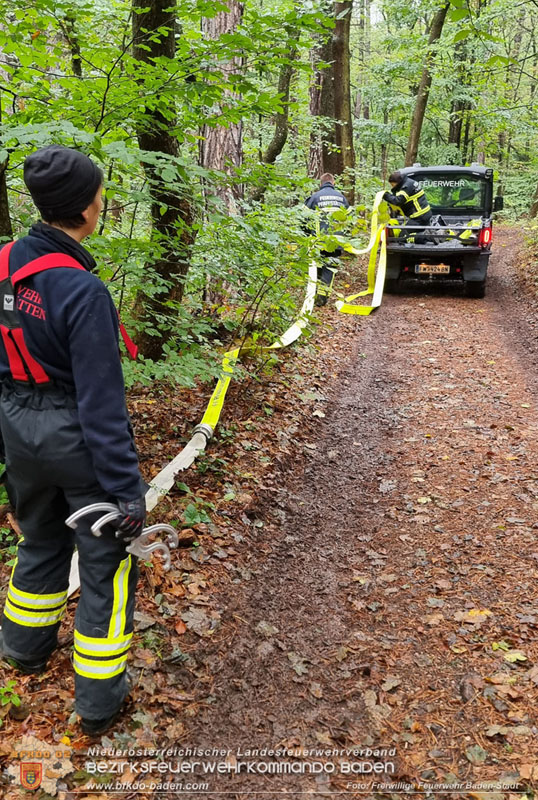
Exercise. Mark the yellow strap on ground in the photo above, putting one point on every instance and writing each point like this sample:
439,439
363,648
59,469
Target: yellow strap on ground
346,306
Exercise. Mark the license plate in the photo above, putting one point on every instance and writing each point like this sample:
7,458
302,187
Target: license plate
433,269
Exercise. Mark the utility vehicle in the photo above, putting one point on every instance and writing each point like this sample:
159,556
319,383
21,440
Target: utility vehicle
456,245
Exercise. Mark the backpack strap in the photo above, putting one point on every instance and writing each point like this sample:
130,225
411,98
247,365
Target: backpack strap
4,261
131,347
50,261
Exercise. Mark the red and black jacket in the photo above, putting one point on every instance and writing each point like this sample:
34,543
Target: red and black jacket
68,336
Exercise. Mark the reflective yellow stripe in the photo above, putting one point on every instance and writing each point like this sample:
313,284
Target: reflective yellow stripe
94,646
419,212
405,195
101,670
36,600
121,590
325,289
31,619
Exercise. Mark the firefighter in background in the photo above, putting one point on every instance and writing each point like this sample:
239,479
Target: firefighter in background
67,441
326,199
409,198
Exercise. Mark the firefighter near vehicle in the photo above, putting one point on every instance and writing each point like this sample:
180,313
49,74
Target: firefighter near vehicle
455,246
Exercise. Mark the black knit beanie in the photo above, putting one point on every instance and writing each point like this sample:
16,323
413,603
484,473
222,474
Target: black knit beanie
63,182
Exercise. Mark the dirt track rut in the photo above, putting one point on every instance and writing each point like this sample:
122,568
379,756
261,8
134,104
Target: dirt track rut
396,568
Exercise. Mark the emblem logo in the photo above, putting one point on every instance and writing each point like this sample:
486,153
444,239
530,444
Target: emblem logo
8,302
31,774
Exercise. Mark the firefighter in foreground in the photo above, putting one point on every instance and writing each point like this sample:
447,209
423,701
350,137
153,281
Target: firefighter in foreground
67,440
410,199
326,199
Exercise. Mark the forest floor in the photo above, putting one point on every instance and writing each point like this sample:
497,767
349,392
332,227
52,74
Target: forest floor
363,574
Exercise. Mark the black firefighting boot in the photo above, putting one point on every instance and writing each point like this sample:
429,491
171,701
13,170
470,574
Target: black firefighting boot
29,667
94,727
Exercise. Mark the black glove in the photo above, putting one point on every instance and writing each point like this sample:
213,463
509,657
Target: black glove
386,197
133,517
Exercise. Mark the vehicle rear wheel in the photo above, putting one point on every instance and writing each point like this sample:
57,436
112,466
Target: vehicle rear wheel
475,289
393,285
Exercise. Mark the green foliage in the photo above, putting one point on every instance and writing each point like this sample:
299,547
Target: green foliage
69,76
8,544
483,75
72,79
9,695
194,514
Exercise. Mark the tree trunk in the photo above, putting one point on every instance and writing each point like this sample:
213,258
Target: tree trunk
221,148
424,88
331,145
321,105
385,149
466,137
364,53
172,229
456,122
68,29
342,97
280,135
5,218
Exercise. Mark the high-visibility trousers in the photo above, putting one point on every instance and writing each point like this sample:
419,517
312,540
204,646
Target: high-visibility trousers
50,476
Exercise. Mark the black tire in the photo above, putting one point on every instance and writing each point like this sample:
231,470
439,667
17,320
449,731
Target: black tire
476,289
393,286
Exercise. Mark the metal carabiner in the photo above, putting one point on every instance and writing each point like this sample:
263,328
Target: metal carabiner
113,513
140,546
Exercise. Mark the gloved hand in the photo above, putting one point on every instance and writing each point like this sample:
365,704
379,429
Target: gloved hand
386,197
133,517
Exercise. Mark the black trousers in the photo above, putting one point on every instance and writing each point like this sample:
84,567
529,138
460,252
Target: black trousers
326,274
50,475
418,236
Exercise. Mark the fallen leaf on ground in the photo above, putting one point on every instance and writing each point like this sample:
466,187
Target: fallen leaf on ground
476,754
298,663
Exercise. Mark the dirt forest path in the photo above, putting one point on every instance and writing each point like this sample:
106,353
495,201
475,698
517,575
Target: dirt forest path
391,597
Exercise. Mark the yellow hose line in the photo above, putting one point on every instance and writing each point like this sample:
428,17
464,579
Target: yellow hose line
213,411
376,245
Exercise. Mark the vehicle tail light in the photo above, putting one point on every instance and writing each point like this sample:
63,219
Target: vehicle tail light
484,237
